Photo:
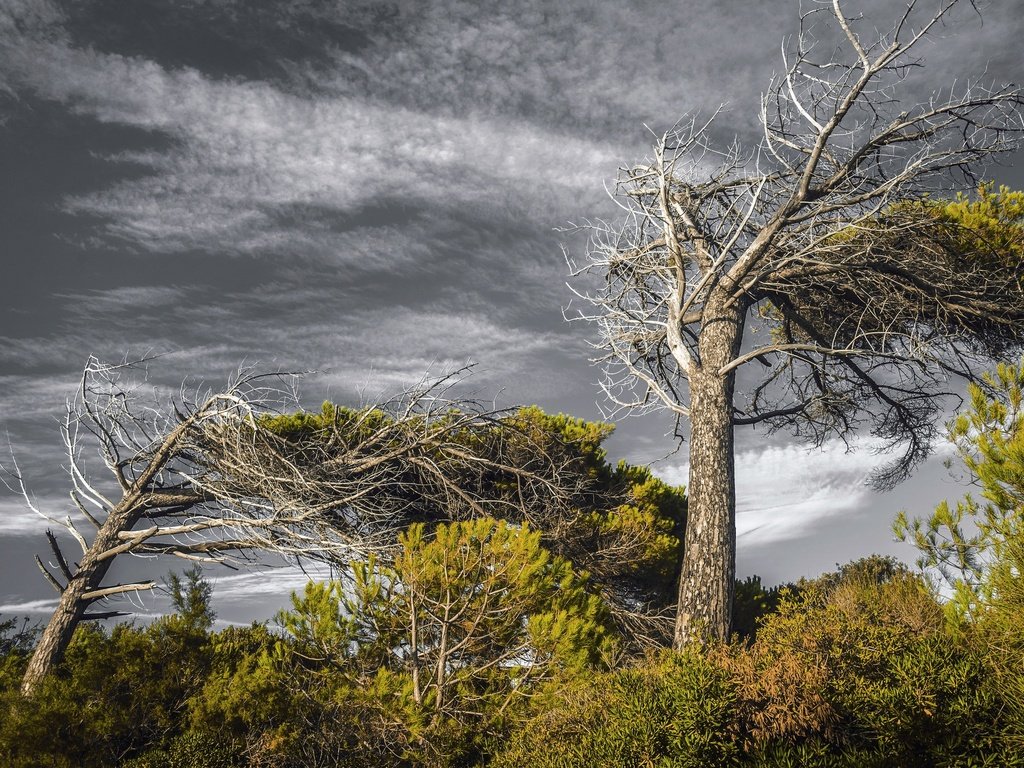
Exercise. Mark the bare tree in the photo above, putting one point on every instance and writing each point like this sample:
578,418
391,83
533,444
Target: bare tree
813,256
156,480
222,476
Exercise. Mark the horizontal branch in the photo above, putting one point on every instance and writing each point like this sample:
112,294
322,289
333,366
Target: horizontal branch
101,615
794,347
117,589
778,413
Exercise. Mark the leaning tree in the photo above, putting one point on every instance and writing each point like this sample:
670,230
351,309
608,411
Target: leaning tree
813,265
217,476
225,476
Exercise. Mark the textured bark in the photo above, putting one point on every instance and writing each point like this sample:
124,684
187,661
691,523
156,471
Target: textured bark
73,601
706,583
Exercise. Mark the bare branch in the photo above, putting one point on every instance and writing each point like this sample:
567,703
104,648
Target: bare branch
49,576
818,253
225,479
61,562
117,589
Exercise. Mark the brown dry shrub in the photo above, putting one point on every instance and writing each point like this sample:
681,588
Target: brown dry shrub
780,696
827,656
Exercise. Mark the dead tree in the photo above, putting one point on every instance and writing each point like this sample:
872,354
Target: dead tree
812,255
221,476
154,481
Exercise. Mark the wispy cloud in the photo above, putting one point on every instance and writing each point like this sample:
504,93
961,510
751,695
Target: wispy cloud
249,153
466,107
125,298
783,490
16,519
277,581
481,114
349,341
29,606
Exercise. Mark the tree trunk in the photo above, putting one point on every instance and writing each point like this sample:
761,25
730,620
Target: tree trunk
706,583
73,603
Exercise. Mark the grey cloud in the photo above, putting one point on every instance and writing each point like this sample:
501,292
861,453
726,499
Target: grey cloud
29,395
801,511
365,189
225,38
246,149
28,606
441,124
783,490
16,519
391,343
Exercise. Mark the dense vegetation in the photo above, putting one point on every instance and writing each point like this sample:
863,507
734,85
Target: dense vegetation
618,524
478,645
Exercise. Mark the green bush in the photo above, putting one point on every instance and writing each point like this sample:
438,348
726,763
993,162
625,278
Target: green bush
752,602
450,641
673,712
190,750
113,695
870,668
859,668
267,700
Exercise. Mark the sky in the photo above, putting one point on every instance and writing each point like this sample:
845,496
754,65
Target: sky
372,191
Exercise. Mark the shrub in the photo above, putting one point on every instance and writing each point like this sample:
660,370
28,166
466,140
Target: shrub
114,695
450,641
869,668
857,669
674,712
752,602
190,750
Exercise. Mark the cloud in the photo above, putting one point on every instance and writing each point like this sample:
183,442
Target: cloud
29,606
479,113
30,396
350,340
248,153
787,489
16,519
783,490
125,298
31,18
277,581
466,108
